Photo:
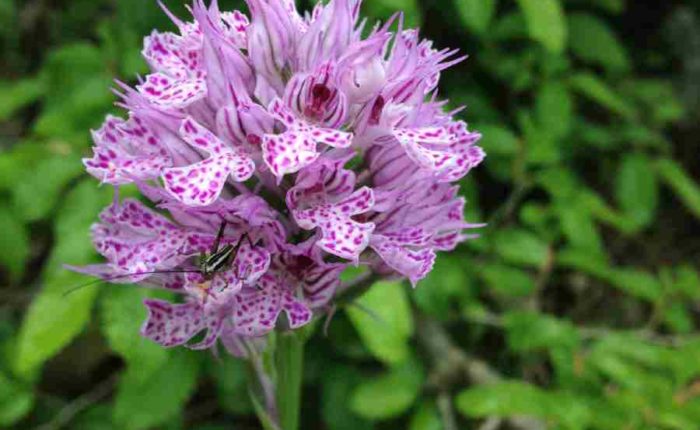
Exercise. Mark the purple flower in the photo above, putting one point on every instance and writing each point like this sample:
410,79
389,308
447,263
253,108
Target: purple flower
278,149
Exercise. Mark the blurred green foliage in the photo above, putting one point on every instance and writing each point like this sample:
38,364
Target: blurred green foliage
577,308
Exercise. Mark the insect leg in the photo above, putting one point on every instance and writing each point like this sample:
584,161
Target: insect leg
219,235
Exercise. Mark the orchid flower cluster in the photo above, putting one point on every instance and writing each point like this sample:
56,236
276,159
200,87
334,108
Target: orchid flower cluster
315,149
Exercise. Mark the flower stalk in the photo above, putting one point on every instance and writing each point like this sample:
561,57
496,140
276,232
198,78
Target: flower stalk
289,360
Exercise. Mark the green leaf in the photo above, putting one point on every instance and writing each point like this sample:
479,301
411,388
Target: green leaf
540,218
513,69
54,319
590,86
477,14
339,381
97,417
503,399
612,6
541,145
555,109
532,331
636,189
66,69
383,319
426,417
604,213
628,360
77,81
390,394
123,314
545,23
515,398
508,281
659,98
229,375
383,9
38,193
449,284
678,318
82,109
14,163
521,247
637,283
16,401
578,226
16,95
584,261
143,404
681,183
596,135
687,282
497,139
562,184
592,40
14,244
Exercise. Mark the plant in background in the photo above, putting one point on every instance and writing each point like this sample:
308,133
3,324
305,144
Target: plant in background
285,149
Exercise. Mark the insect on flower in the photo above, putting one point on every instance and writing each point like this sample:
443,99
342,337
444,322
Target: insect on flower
218,259
209,263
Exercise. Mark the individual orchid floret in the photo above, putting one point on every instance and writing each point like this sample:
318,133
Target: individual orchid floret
125,151
342,236
257,309
296,148
178,78
448,152
406,251
135,239
317,98
200,184
210,303
323,198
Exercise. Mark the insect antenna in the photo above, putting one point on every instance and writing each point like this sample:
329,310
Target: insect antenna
127,275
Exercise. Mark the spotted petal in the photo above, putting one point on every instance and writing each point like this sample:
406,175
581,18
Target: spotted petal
449,151
257,310
136,239
398,252
172,325
288,152
295,149
126,151
200,184
341,235
169,92
251,263
331,137
172,54
237,27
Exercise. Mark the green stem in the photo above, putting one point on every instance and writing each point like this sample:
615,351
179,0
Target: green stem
289,361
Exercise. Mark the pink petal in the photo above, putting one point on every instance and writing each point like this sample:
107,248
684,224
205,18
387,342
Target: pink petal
168,92
171,325
201,184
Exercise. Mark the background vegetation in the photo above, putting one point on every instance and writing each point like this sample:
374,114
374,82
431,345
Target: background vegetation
577,308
